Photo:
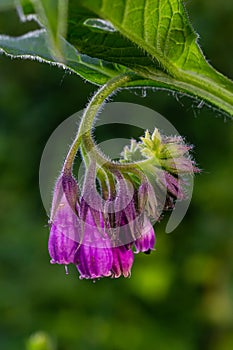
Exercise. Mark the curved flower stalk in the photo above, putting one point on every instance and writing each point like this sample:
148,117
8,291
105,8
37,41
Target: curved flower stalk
99,225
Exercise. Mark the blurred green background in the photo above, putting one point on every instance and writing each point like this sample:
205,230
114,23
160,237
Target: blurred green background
181,296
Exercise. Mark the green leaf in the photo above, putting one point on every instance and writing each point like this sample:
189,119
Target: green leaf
159,27
85,34
52,14
152,38
34,46
162,31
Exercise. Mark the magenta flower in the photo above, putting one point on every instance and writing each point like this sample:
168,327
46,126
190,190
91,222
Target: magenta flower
63,241
94,262
99,228
122,261
94,256
79,242
146,242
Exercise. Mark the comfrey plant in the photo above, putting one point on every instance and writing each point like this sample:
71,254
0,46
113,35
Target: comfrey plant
99,225
97,228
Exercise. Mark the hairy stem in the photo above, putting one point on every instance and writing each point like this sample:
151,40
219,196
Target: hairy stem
84,131
84,136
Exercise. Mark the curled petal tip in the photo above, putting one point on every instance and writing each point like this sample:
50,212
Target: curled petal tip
94,263
122,261
146,242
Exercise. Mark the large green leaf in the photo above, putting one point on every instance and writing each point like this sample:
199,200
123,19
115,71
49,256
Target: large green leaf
103,43
152,38
159,27
162,32
34,46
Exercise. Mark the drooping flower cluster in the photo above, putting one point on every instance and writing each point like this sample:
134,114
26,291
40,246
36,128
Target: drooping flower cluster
99,228
83,236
